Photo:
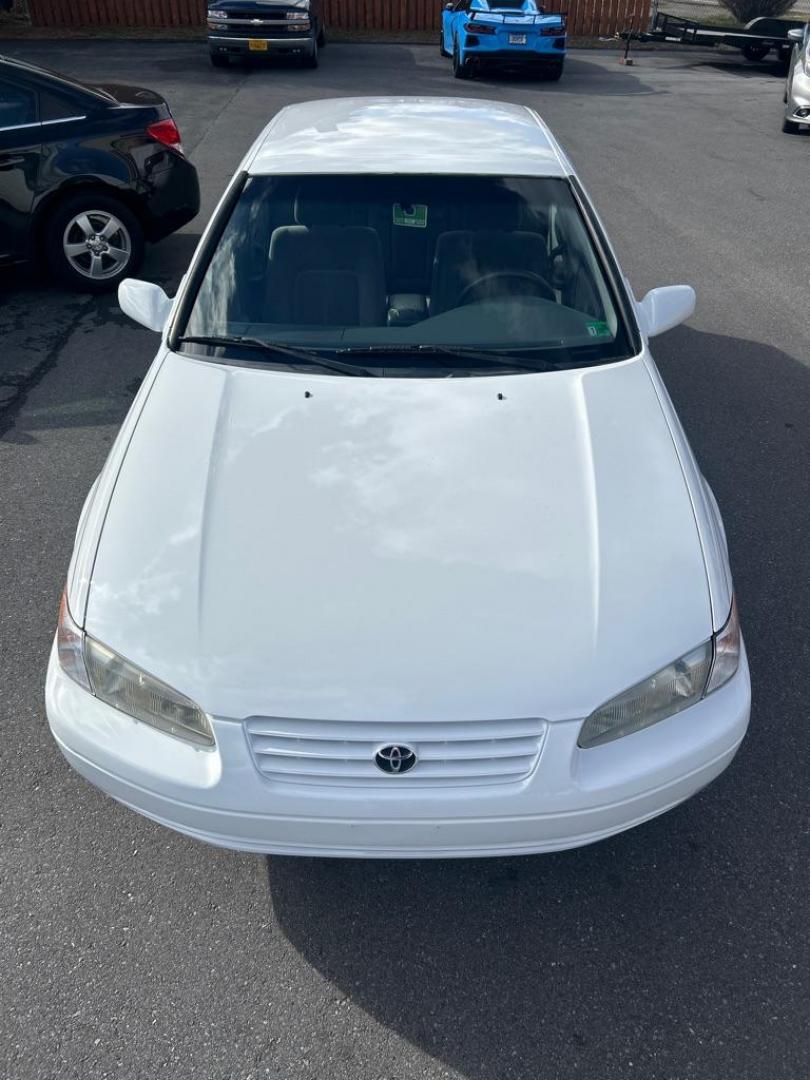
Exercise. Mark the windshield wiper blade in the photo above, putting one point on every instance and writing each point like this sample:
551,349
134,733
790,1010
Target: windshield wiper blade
500,359
273,348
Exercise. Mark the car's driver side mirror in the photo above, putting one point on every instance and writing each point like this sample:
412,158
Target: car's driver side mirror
661,309
796,34
144,302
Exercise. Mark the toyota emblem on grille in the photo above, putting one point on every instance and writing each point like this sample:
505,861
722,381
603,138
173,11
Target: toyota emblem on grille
395,760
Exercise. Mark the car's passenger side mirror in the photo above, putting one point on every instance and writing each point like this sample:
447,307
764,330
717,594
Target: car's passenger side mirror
796,34
661,309
144,302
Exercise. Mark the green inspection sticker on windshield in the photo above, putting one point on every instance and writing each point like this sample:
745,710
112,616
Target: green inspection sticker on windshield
411,215
598,329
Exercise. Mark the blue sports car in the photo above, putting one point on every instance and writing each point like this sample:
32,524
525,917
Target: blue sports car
478,33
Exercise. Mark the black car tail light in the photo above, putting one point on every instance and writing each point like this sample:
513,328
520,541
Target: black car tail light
552,31
478,28
166,132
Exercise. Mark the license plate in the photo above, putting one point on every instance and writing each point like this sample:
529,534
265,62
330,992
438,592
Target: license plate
517,39
257,45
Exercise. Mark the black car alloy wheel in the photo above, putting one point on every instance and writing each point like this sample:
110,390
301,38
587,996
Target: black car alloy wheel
93,242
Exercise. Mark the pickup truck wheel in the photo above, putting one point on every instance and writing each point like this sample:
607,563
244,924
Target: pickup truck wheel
311,58
218,60
93,242
790,127
755,52
460,70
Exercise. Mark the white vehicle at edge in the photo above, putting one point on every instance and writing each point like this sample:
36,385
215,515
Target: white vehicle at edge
401,549
797,86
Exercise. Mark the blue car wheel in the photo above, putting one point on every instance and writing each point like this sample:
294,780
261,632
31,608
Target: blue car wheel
460,69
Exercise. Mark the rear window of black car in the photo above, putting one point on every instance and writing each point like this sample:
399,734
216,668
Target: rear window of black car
59,107
18,105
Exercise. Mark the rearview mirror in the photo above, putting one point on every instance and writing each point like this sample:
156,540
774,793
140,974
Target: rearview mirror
144,302
796,34
661,309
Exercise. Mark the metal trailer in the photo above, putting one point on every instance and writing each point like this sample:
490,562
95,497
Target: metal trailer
755,40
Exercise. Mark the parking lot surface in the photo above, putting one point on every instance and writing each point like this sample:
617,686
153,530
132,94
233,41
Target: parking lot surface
676,951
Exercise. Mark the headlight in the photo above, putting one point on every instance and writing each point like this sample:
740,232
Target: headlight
670,690
218,15
126,687
297,16
727,645
70,646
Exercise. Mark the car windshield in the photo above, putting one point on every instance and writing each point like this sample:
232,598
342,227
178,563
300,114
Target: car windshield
405,275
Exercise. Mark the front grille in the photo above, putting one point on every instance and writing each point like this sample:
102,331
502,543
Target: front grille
341,753
276,30
270,13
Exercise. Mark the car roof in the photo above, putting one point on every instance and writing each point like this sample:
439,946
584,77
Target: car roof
407,135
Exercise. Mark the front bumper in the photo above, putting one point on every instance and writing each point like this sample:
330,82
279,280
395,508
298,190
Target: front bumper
288,45
573,797
798,98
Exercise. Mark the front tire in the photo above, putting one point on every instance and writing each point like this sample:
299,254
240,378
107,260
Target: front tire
321,37
92,242
218,60
460,70
311,58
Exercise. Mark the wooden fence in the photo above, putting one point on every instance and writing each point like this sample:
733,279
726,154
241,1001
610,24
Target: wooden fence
587,18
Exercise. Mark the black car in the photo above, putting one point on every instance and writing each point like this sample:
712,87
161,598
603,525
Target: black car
258,28
87,174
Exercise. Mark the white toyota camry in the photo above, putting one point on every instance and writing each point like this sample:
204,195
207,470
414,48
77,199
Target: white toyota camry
401,549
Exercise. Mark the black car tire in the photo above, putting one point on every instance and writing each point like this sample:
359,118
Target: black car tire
790,127
311,58
755,52
553,73
219,60
461,71
99,210
321,37
442,50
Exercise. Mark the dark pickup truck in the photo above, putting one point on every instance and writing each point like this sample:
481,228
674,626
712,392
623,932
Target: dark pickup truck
263,28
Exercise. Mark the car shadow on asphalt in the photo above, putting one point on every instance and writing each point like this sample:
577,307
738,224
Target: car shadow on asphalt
34,346
618,82
675,942
749,69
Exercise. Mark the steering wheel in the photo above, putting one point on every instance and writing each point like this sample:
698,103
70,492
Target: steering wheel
535,282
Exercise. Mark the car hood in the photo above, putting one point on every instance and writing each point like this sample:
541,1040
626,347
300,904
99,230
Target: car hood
330,547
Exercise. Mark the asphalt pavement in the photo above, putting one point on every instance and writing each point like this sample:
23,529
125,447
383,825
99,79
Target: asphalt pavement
676,951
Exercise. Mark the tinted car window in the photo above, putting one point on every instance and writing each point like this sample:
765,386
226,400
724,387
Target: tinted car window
17,106
58,107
